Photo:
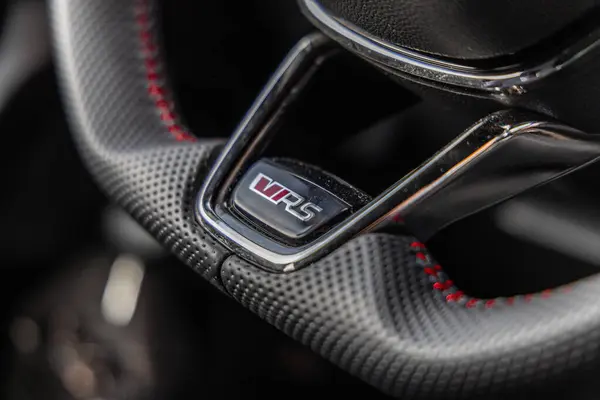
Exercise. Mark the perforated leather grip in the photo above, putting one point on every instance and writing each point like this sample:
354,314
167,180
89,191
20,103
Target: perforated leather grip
378,307
128,134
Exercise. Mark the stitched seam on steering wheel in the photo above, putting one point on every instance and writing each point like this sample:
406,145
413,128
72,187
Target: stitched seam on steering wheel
442,284
155,79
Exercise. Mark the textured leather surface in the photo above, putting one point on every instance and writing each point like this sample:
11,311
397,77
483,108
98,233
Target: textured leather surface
378,306
463,29
120,133
372,309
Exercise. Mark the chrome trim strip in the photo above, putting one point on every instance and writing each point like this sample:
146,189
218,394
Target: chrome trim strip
281,90
499,157
507,79
510,153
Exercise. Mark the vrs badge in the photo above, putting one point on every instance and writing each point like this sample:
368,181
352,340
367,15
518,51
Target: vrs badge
286,202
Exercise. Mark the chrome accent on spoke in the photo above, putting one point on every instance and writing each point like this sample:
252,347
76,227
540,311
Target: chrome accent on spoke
509,79
254,131
499,157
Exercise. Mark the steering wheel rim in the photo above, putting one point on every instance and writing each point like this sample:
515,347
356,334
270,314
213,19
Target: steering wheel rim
378,307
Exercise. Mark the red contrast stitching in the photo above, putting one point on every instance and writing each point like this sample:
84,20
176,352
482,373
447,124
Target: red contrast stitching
156,88
441,283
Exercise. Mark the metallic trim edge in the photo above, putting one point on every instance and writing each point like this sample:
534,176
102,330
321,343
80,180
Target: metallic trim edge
507,80
473,158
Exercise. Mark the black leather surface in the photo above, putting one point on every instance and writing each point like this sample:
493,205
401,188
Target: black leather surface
378,307
463,29
123,140
372,308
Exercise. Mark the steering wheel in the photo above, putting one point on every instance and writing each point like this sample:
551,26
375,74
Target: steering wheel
376,304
